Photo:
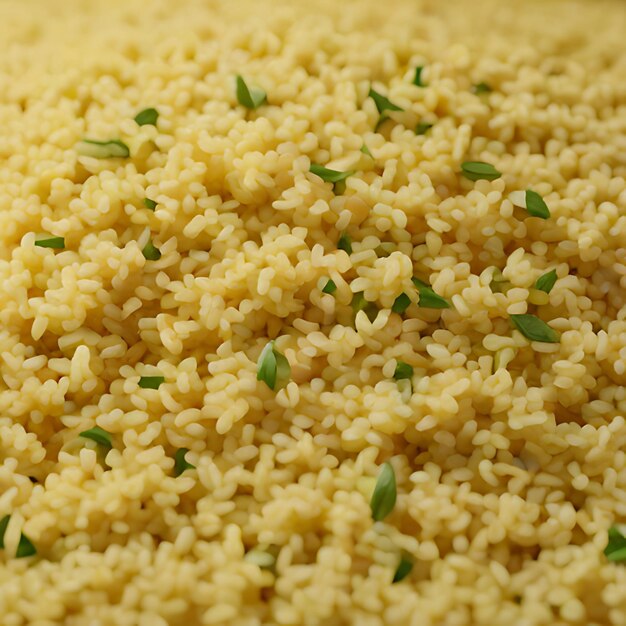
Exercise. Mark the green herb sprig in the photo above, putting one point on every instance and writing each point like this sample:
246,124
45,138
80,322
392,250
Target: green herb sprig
273,367
546,281
58,243
403,570
150,252
250,97
615,550
478,170
180,464
147,116
384,496
428,298
113,148
99,435
534,328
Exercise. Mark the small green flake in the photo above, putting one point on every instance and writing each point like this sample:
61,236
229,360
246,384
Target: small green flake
478,170
150,252
147,116
250,97
329,287
99,435
58,243
180,464
151,382
150,204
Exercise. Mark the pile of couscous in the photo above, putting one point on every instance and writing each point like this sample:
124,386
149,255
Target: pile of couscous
312,313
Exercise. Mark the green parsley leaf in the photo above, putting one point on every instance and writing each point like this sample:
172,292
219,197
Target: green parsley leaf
401,304
428,298
329,176
403,370
249,97
417,79
151,204
536,206
422,128
57,243
403,570
273,367
546,281
25,547
150,252
359,303
147,116
114,148
366,150
4,522
534,328
382,103
477,170
345,243
480,88
384,496
151,382
99,435
329,287
180,465
616,547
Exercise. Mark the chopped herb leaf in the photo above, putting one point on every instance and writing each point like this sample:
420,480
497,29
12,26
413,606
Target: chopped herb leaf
150,252
382,103
147,116
384,496
151,382
534,328
477,170
366,150
546,281
329,287
480,88
428,298
4,522
99,435
536,206
403,570
272,367
57,243
403,370
359,303
401,304
151,204
249,97
417,79
329,176
422,128
616,547
25,547
180,465
113,148
345,243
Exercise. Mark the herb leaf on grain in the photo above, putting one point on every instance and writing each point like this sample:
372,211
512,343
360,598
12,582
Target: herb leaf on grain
480,88
536,206
329,287
249,97
366,150
428,298
58,243
345,243
25,547
616,547
272,367
534,328
478,170
417,78
99,435
147,116
422,128
150,204
151,382
384,496
383,103
359,303
113,148
150,252
4,522
403,570
327,175
180,464
403,370
546,281
401,304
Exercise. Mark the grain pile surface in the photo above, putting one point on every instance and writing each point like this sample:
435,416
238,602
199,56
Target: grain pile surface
141,281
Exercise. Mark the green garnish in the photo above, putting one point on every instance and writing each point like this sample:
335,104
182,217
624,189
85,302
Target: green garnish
546,281
534,328
401,304
272,367
403,370
250,97
180,465
417,79
329,176
382,103
366,150
536,206
428,298
151,204
477,170
384,496
329,287
150,252
481,88
151,382
4,522
147,116
25,547
359,303
57,243
403,570
113,148
422,128
99,435
616,547
345,243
